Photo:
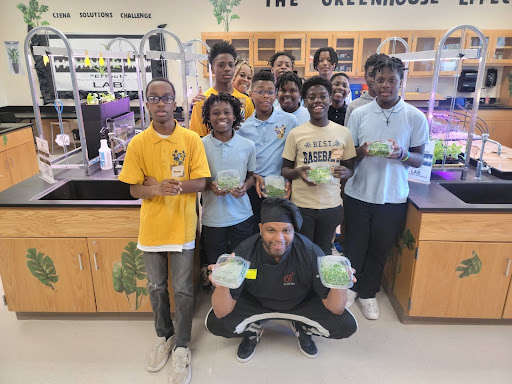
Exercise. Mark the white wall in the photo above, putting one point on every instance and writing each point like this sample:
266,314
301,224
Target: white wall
188,18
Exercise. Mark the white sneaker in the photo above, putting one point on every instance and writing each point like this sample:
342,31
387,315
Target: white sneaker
159,355
370,308
351,297
181,372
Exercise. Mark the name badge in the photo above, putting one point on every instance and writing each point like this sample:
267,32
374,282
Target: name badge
251,274
177,171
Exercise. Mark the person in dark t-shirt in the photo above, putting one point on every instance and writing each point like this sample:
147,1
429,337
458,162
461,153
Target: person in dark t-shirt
282,283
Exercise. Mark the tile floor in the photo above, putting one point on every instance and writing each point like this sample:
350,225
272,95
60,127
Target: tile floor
383,351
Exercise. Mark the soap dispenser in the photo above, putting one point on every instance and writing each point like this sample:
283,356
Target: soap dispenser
105,153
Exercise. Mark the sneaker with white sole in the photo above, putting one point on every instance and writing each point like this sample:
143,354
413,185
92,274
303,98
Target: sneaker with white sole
181,372
306,344
248,345
351,297
159,355
370,308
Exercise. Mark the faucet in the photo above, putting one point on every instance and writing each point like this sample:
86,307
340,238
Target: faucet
480,163
112,138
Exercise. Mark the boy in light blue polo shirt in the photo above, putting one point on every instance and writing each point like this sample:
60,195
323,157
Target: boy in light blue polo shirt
227,214
268,128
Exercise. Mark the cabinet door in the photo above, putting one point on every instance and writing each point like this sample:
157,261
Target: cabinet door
294,43
210,38
47,275
424,41
502,47
473,42
119,276
313,42
5,174
501,131
368,44
22,162
346,47
507,311
244,45
449,67
265,45
394,46
460,280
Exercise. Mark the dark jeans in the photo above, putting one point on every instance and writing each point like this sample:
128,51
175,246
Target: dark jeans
181,275
219,240
319,225
256,207
371,230
311,313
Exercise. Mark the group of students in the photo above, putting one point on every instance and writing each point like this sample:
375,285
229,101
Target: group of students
281,127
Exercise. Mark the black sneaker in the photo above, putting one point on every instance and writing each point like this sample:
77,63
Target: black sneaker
205,281
248,346
306,344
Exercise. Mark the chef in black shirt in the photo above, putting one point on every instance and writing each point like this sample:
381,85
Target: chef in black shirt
282,283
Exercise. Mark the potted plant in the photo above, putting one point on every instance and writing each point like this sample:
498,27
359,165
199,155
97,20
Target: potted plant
223,9
14,57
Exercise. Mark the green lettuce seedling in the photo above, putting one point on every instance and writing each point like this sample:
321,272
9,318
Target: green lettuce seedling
335,274
320,175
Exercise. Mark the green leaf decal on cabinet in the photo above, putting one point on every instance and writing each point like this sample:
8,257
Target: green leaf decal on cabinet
472,266
5,140
406,240
42,267
126,273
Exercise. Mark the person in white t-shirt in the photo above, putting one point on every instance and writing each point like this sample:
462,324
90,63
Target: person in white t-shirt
376,195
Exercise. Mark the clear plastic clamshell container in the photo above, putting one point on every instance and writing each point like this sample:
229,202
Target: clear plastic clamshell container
320,173
230,271
380,148
274,186
228,179
335,272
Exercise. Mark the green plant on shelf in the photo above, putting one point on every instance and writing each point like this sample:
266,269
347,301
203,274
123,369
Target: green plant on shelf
223,9
509,77
452,151
42,267
33,13
126,274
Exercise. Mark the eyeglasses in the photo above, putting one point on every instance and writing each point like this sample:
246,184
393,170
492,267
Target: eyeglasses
260,92
156,99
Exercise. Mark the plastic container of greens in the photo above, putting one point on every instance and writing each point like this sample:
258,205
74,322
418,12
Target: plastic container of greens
335,272
274,186
320,173
228,179
380,148
230,271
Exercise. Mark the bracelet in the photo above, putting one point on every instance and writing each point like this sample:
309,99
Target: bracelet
406,157
401,156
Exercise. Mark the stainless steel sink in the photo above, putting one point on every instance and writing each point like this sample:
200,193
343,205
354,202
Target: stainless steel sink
481,192
88,190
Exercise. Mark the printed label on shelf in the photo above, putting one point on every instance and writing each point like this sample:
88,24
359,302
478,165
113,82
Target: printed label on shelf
45,166
422,174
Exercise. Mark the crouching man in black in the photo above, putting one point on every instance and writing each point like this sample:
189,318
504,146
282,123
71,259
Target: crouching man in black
282,283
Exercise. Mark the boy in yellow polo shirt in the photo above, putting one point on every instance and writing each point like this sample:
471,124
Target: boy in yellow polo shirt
174,160
222,59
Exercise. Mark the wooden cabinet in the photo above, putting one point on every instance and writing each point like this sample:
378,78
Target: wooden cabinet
265,45
442,289
314,41
18,159
423,41
5,173
47,275
501,47
243,43
294,43
210,38
346,46
446,266
119,275
368,44
394,46
473,42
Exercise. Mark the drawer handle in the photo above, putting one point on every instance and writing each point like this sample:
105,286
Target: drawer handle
95,262
80,261
508,267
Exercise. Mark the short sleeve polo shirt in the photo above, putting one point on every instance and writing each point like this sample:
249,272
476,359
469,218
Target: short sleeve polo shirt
379,180
238,153
166,219
269,137
285,285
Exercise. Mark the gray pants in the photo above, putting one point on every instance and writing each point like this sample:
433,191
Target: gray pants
181,275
